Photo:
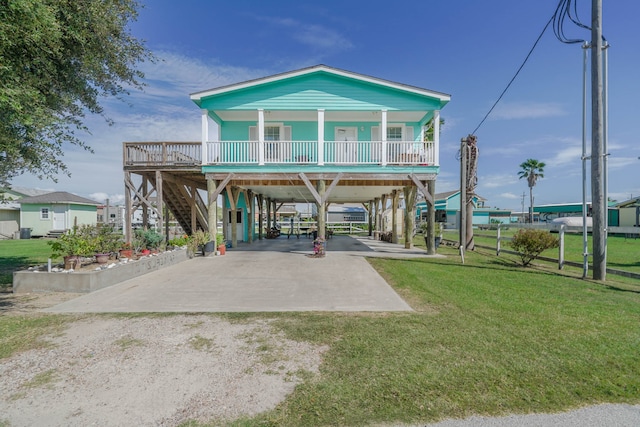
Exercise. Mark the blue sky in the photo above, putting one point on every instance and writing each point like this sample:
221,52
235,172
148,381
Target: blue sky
469,49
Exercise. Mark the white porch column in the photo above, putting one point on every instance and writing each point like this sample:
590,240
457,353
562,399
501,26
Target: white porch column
205,137
260,136
436,137
320,137
383,135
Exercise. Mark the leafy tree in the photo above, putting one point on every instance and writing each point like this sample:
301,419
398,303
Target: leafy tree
532,170
58,58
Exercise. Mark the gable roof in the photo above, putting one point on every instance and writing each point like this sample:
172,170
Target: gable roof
320,68
58,197
22,191
448,194
629,203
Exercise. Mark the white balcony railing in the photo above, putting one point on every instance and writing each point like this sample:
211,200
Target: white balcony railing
334,152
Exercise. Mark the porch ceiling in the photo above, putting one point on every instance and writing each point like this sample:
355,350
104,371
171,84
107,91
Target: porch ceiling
340,194
349,189
329,116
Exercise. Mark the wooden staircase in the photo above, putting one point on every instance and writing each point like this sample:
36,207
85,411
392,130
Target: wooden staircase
184,202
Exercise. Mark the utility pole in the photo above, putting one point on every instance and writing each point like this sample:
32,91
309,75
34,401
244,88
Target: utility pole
598,203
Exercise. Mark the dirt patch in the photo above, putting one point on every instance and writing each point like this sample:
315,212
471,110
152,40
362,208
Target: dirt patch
151,371
29,303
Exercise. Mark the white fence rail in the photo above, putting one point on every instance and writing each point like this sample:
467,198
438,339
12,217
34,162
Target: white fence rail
308,152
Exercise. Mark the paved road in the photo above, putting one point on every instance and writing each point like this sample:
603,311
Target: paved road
592,416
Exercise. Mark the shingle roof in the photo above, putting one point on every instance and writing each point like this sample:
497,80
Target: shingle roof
58,197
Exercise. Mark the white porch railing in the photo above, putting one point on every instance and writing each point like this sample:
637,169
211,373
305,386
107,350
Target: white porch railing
335,152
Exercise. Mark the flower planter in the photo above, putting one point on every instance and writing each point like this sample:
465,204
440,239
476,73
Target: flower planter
126,253
208,248
102,258
222,249
89,281
145,252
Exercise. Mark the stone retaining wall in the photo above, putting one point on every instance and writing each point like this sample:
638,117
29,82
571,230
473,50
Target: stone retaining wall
89,281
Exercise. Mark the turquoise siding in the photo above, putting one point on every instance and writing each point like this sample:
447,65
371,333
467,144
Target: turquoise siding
245,218
320,90
308,131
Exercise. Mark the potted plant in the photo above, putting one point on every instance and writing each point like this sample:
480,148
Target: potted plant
196,242
105,242
72,245
148,240
221,244
126,250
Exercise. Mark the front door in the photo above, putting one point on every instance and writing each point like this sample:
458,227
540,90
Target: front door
239,227
346,144
59,216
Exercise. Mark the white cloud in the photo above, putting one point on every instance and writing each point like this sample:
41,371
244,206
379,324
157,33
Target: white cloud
495,181
508,196
315,36
532,110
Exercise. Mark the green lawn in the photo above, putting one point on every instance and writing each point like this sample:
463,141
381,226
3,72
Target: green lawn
486,338
20,254
622,253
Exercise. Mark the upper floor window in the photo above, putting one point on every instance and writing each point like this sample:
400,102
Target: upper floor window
44,213
394,133
272,133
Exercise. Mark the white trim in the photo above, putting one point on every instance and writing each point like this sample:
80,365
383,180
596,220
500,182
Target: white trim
320,137
205,136
383,136
436,137
261,137
343,73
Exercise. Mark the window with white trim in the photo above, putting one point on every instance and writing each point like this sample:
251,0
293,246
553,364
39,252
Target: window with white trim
394,133
44,213
274,133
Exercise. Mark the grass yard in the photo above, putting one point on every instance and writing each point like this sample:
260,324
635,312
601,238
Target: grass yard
622,253
20,254
486,338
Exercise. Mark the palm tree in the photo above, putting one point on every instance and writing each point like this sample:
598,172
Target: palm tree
532,170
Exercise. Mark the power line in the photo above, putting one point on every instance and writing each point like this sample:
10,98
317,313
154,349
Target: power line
516,75
563,11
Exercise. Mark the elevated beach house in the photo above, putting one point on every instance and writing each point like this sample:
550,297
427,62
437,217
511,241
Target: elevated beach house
315,135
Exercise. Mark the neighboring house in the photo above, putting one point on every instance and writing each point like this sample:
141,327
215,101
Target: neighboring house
9,219
57,211
316,135
448,203
548,213
629,212
10,209
347,213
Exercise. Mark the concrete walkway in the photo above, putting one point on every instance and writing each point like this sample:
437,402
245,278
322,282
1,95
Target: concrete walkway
266,276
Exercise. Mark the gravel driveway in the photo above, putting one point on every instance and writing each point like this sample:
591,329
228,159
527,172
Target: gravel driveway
151,371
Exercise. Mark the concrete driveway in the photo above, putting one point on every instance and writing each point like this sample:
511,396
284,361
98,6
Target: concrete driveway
266,276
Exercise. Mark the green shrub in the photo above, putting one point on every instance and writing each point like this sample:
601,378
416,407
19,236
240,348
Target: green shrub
179,241
531,243
148,239
106,239
76,241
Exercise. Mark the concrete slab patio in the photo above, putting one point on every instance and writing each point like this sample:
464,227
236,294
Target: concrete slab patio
266,276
